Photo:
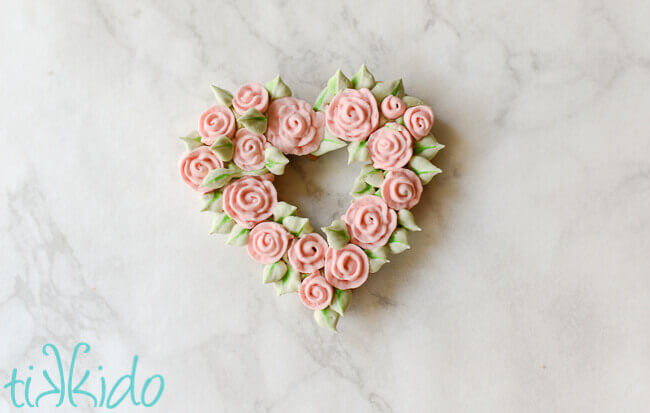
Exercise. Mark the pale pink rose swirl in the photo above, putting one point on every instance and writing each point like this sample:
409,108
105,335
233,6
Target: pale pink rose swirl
419,121
401,189
392,107
195,165
268,242
307,253
347,267
370,222
250,96
390,147
249,200
315,292
294,127
215,122
248,152
352,114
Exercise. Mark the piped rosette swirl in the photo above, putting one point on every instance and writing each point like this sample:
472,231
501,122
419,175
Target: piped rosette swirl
370,222
268,242
401,189
248,152
294,127
392,107
419,121
215,122
307,253
196,164
390,147
346,268
250,96
249,200
352,115
315,292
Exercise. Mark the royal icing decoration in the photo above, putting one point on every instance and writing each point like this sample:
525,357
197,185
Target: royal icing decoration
242,143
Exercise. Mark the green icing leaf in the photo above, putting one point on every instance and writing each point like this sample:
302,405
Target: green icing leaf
327,318
361,187
274,272
323,99
405,219
337,234
211,201
363,78
377,258
411,101
223,147
328,144
423,168
277,88
238,236
371,176
358,152
338,82
223,96
221,224
253,120
191,141
399,242
290,283
297,226
283,210
274,160
255,172
392,87
341,301
218,178
427,147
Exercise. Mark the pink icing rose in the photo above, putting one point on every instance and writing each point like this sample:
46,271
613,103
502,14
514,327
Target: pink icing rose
249,200
419,120
214,122
196,164
401,189
347,267
315,292
294,127
249,96
370,222
307,253
392,107
248,153
390,147
352,115
268,242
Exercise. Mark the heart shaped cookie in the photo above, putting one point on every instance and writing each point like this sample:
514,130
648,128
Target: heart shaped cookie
241,145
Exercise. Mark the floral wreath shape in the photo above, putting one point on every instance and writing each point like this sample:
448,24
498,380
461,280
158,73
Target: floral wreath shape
241,144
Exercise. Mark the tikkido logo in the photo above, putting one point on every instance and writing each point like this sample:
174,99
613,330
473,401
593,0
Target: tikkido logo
57,389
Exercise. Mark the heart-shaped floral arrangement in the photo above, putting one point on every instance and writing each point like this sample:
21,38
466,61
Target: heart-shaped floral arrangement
241,145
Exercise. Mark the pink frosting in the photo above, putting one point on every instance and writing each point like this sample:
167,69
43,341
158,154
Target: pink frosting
347,267
249,200
392,107
268,242
315,292
390,147
248,153
196,164
370,222
214,122
294,127
249,96
401,189
307,253
352,115
419,121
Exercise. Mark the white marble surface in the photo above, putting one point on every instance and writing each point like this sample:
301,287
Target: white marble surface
529,289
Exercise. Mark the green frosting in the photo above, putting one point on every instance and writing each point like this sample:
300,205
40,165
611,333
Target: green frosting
427,147
253,120
399,242
341,301
255,172
372,176
335,84
277,88
223,96
363,78
283,210
392,87
297,226
290,283
411,101
274,272
423,168
361,188
377,258
238,236
405,219
223,147
337,234
358,152
191,141
274,160
218,178
211,201
327,318
328,144
222,224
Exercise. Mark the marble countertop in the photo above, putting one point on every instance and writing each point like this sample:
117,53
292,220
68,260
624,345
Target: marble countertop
528,289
